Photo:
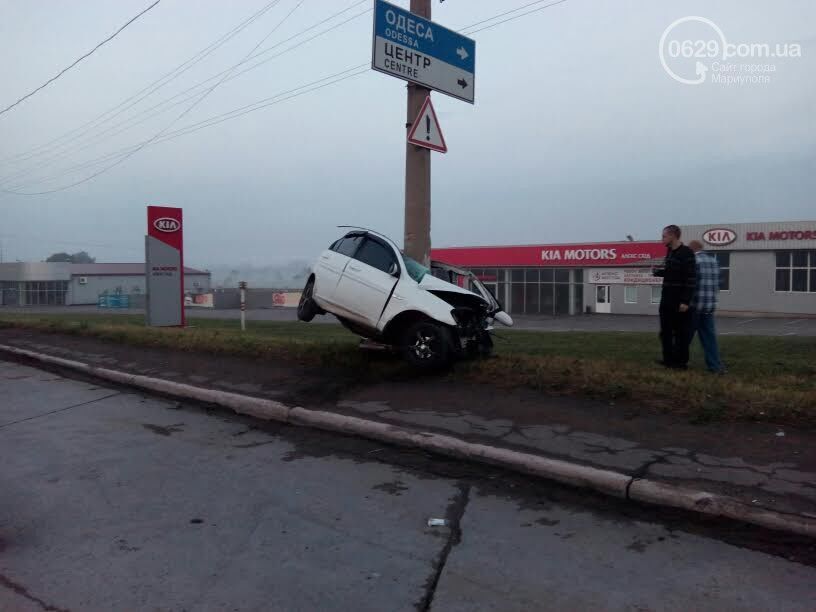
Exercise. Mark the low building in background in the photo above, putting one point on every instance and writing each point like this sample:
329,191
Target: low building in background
56,284
765,269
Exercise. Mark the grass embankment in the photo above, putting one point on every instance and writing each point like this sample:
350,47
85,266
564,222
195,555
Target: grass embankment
770,378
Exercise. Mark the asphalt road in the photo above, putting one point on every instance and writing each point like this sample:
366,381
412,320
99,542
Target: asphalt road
116,501
727,326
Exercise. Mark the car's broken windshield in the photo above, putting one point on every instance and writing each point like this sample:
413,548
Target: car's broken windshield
415,269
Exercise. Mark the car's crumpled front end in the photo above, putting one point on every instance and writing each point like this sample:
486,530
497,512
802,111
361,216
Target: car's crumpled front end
474,308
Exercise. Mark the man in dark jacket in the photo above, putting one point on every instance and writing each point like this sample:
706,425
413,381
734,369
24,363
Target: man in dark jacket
679,282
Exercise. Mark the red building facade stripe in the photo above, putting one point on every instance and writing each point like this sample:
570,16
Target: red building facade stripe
556,256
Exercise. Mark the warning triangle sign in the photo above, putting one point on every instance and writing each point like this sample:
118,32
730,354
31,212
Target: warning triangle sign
426,131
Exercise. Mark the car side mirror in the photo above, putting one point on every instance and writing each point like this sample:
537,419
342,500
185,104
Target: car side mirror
393,269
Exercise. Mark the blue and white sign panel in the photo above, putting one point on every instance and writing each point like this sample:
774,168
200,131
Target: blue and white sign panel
418,50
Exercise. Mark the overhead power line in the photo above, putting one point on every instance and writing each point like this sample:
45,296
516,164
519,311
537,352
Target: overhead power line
168,103
67,68
278,98
148,90
186,111
189,129
469,31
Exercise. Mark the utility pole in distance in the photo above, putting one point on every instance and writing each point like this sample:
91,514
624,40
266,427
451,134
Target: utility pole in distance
418,171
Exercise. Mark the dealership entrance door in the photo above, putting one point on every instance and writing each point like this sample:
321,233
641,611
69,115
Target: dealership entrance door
603,299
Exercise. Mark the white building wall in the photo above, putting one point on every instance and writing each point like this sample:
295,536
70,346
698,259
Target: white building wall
752,290
753,287
89,292
95,286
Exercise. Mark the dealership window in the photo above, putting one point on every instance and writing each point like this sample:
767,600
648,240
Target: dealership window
796,271
542,291
657,293
547,298
630,294
42,293
547,275
562,299
531,298
577,298
724,260
517,298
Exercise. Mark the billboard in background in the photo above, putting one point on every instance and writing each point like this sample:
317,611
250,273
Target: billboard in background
203,300
164,266
286,299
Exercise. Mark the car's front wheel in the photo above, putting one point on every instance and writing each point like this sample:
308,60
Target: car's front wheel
427,345
307,307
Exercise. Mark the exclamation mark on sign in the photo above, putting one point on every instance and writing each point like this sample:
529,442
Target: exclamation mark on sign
427,127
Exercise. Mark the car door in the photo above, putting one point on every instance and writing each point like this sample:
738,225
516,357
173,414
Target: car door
332,264
368,281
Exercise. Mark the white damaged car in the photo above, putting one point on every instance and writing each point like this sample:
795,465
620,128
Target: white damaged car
380,294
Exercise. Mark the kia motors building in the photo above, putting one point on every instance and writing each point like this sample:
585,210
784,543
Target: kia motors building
55,284
766,269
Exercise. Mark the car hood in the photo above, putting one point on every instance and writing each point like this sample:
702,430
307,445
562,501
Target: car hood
481,291
431,283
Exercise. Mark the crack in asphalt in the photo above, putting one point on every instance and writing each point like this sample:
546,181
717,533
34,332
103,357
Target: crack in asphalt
37,416
454,514
597,449
22,591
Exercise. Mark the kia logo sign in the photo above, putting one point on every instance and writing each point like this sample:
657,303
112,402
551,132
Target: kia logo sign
719,236
167,224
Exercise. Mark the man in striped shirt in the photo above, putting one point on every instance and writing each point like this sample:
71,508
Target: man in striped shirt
704,305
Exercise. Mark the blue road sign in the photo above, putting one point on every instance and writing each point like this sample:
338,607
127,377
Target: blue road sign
415,49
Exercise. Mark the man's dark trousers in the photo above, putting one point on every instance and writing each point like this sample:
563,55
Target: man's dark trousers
675,333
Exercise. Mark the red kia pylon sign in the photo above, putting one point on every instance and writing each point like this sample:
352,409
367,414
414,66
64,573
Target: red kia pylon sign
560,255
164,266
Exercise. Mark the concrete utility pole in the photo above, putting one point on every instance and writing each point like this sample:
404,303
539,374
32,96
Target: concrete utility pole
417,171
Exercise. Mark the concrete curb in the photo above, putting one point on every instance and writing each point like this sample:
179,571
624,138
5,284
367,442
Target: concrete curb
574,474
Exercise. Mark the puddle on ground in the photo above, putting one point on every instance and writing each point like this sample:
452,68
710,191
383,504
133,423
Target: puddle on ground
162,430
392,488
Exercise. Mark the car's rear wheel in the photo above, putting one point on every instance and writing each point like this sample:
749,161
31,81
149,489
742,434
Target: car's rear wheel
307,307
427,345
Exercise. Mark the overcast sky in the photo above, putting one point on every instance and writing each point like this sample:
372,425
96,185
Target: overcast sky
577,134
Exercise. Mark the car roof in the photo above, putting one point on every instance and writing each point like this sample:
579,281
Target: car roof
360,231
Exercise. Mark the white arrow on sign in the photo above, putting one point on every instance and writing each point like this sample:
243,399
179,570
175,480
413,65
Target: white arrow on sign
462,53
425,132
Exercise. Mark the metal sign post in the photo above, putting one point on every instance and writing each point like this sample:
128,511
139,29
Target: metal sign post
242,286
